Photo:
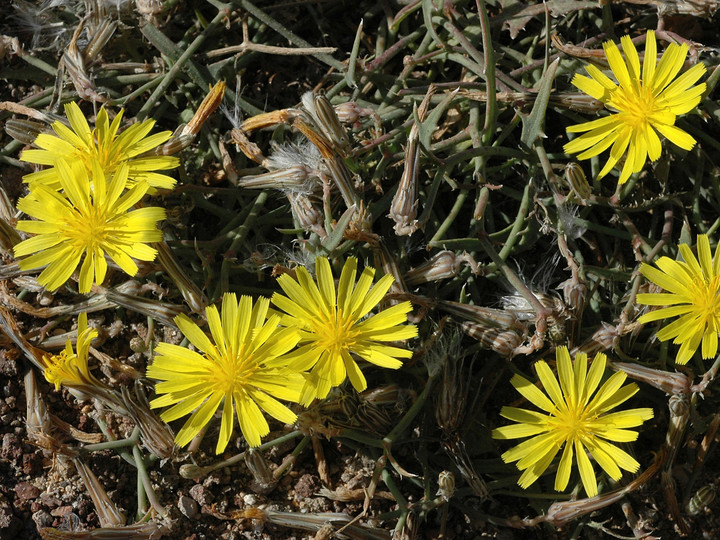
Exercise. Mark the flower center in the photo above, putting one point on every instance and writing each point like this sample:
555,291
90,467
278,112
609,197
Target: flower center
100,151
89,227
572,423
707,298
336,332
636,105
59,369
232,372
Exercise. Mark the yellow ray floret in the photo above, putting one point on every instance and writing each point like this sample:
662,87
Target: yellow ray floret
643,105
86,221
81,147
69,368
693,295
243,368
574,416
334,328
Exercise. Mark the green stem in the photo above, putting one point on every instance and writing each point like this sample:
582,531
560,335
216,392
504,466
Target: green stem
145,480
193,471
238,236
175,69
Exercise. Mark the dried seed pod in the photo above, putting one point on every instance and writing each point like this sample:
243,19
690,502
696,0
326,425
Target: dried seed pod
524,310
445,264
351,113
675,383
108,513
679,406
323,115
334,163
446,485
38,421
185,134
76,63
703,498
264,481
503,342
577,101
148,530
101,35
209,105
605,338
575,295
24,131
192,294
403,209
488,317
295,178
250,149
385,259
155,435
270,119
575,177
190,471
307,214
442,265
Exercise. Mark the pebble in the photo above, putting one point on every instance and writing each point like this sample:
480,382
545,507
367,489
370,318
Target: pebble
62,511
188,507
42,518
201,495
26,491
9,524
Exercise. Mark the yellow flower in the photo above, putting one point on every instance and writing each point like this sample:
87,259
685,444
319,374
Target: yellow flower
574,418
245,367
693,294
334,328
82,147
91,222
68,368
641,104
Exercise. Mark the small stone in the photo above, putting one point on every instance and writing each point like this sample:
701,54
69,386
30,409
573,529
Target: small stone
201,495
8,364
31,464
49,501
306,487
250,500
188,507
84,507
62,511
11,447
26,491
42,519
9,524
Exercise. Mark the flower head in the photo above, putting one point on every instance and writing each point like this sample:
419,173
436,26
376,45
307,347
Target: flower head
244,368
574,418
70,368
82,147
86,220
333,326
641,105
693,294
